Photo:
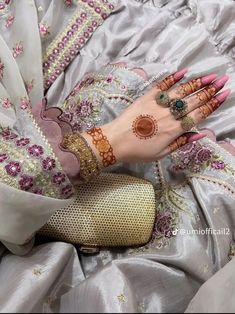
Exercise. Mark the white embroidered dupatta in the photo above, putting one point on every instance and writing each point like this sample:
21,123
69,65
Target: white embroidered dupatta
22,212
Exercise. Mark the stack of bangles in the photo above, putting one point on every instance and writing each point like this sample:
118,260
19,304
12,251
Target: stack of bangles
89,164
178,108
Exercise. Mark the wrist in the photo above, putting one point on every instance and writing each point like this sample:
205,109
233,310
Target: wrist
104,141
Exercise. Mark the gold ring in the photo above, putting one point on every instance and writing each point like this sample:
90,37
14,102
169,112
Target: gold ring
162,99
187,123
178,107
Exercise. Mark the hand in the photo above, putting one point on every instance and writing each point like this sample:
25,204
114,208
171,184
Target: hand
147,131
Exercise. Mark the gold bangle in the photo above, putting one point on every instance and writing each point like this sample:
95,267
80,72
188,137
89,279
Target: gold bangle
103,146
89,166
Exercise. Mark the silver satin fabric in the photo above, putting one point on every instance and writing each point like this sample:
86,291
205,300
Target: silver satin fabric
185,273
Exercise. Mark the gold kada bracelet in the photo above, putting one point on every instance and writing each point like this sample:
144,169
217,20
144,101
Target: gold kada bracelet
89,166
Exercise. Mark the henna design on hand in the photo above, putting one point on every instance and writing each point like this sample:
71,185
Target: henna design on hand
145,127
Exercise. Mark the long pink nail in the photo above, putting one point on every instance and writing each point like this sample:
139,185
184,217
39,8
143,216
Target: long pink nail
221,81
224,95
208,78
196,137
180,74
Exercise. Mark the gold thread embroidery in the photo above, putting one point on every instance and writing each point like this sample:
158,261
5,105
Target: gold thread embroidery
226,185
121,298
231,252
29,166
89,167
37,272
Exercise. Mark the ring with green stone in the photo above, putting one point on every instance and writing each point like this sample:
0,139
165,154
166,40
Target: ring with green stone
162,99
178,108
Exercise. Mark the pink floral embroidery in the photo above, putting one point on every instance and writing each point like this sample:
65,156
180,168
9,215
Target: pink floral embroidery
37,191
1,69
196,157
9,21
193,157
109,79
218,165
29,181
59,178
22,142
25,103
13,168
73,40
26,182
66,116
67,190
7,134
29,85
35,150
68,2
77,127
3,157
85,108
48,163
18,49
44,29
3,4
5,103
163,225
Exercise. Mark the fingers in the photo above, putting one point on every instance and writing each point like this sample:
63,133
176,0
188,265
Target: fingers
202,112
205,95
208,108
169,81
192,86
180,142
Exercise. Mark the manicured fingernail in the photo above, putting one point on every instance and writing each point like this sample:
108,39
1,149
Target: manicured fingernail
196,137
208,78
180,74
221,81
224,95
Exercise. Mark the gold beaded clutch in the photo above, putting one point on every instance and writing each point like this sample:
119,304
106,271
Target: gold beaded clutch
113,210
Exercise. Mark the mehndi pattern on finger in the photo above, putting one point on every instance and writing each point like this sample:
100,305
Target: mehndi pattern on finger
206,94
209,107
145,127
190,87
167,83
179,142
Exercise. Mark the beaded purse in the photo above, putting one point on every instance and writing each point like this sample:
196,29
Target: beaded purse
113,210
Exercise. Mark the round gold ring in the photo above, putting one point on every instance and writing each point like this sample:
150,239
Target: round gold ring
163,99
187,123
178,107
